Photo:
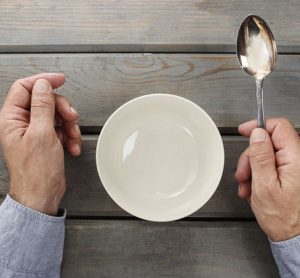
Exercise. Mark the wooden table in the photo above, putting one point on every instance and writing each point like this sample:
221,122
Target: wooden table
113,51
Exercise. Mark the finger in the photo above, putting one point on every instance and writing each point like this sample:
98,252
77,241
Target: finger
19,94
246,128
244,190
55,79
42,104
73,138
283,133
262,159
243,171
72,130
65,109
73,146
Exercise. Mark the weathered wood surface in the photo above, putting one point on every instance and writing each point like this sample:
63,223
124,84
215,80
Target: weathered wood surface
140,25
97,84
131,249
86,196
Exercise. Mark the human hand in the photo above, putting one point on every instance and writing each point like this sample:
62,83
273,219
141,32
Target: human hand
33,146
268,174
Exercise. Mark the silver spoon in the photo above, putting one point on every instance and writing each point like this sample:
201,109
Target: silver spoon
257,54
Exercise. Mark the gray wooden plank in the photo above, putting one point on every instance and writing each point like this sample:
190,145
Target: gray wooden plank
86,196
181,249
140,25
97,84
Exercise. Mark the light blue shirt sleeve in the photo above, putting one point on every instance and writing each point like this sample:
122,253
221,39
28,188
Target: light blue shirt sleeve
31,243
287,256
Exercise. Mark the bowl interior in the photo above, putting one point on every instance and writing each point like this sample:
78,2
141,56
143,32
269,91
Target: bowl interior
160,157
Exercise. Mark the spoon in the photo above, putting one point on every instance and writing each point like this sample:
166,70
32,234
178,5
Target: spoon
257,54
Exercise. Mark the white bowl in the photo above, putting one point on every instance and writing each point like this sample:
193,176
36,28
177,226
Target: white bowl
160,157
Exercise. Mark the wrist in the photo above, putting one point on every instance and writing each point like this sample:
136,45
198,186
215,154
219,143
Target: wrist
43,205
287,234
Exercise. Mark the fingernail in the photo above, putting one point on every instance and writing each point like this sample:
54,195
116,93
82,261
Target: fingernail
258,135
77,148
42,86
73,110
76,129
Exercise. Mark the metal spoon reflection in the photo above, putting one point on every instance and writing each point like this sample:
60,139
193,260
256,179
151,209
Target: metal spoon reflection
257,54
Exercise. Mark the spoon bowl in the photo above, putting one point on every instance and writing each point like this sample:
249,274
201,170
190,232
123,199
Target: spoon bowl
257,55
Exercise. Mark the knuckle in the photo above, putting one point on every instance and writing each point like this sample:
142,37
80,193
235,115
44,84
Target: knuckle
20,82
262,158
260,155
240,175
14,87
284,122
17,82
25,83
43,103
76,135
42,133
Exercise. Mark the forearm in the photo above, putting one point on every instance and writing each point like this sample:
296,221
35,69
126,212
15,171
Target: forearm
287,257
31,243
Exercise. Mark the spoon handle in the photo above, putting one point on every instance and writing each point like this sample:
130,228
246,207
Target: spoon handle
260,104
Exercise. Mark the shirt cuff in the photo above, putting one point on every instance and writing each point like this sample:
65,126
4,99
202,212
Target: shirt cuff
287,256
30,241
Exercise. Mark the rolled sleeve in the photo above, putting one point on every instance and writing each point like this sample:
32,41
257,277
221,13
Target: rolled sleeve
30,242
287,256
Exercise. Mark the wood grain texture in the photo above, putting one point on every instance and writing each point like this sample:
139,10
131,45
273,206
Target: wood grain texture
133,249
140,25
97,84
86,196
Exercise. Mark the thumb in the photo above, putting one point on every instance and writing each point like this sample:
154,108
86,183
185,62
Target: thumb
261,156
42,103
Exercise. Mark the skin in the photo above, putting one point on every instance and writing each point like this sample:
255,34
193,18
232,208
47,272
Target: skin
32,143
268,174
268,171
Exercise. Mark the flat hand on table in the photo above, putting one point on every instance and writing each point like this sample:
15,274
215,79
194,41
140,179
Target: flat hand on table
33,145
268,174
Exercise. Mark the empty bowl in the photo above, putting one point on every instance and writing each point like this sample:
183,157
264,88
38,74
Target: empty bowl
160,157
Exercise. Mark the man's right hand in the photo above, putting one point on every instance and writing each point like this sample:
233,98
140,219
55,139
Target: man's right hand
268,174
33,143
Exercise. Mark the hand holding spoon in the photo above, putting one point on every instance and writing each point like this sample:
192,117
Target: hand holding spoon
257,54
